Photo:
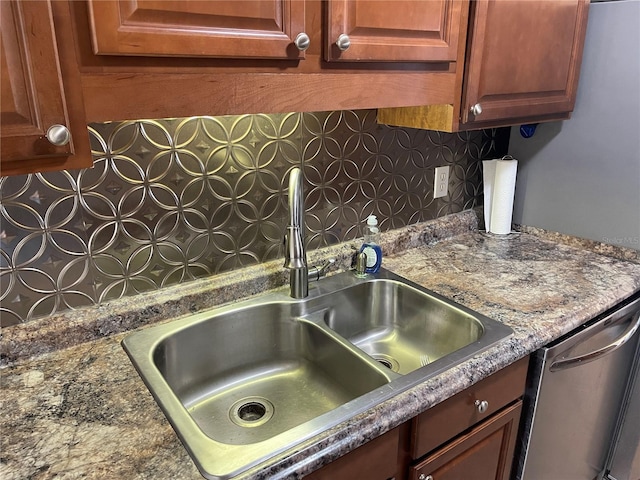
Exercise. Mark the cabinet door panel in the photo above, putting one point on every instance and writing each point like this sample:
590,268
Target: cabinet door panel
398,30
32,98
221,28
512,76
485,452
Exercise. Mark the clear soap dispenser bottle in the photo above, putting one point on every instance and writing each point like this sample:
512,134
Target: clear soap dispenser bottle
371,246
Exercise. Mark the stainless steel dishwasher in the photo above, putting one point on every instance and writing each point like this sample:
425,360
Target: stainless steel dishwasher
582,402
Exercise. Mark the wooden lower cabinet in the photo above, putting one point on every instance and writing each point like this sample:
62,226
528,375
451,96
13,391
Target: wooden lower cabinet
469,436
486,452
473,434
457,414
376,460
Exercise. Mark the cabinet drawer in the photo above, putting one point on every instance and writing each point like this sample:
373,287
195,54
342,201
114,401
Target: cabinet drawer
485,452
451,417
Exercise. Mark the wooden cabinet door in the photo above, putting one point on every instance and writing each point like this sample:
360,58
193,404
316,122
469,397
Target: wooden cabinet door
394,30
220,28
523,59
33,94
32,97
485,452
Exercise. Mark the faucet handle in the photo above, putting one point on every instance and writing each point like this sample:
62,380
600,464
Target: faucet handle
361,265
316,273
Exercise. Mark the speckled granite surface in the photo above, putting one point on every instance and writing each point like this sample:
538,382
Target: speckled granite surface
83,412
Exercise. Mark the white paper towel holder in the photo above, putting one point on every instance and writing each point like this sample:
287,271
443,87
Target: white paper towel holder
492,234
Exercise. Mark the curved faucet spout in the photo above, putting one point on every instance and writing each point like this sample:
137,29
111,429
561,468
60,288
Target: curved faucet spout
295,252
296,199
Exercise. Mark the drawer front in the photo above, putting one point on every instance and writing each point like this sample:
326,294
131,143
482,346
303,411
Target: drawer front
451,417
486,452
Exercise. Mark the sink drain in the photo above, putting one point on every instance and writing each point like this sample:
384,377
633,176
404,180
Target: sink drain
389,362
251,412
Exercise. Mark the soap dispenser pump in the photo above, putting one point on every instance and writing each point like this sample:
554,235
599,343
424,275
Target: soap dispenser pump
371,246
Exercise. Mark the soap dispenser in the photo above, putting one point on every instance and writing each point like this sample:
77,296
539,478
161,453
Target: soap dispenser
371,246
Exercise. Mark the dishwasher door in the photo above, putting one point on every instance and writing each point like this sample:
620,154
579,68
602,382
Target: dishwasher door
578,388
623,462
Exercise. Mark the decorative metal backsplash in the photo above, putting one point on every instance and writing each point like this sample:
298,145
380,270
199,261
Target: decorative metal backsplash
172,200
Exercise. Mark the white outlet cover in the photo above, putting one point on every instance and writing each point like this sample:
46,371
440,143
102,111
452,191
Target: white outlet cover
441,182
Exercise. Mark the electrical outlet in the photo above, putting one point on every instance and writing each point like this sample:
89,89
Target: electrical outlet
441,182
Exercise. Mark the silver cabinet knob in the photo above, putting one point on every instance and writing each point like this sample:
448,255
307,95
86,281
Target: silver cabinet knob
302,41
58,135
482,406
425,477
343,42
476,109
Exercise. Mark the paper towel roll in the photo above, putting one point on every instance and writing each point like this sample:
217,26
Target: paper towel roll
488,177
504,187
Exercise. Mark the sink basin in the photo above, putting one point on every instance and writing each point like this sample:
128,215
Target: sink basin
400,326
247,375
245,383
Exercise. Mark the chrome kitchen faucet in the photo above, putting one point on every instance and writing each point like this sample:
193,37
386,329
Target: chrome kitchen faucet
294,250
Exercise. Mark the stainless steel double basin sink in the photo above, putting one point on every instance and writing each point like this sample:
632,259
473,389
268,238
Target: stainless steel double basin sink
245,383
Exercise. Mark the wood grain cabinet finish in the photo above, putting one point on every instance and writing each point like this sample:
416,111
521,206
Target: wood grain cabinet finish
398,30
522,64
375,460
460,438
36,95
486,452
473,434
229,57
524,59
460,412
223,29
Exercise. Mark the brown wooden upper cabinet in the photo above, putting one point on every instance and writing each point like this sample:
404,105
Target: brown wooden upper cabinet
398,30
264,56
355,30
522,66
42,123
225,29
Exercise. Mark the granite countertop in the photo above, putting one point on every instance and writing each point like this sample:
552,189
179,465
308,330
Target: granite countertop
73,406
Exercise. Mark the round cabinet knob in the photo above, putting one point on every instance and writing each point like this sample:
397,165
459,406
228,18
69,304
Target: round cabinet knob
425,477
476,109
482,406
343,42
302,41
58,135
